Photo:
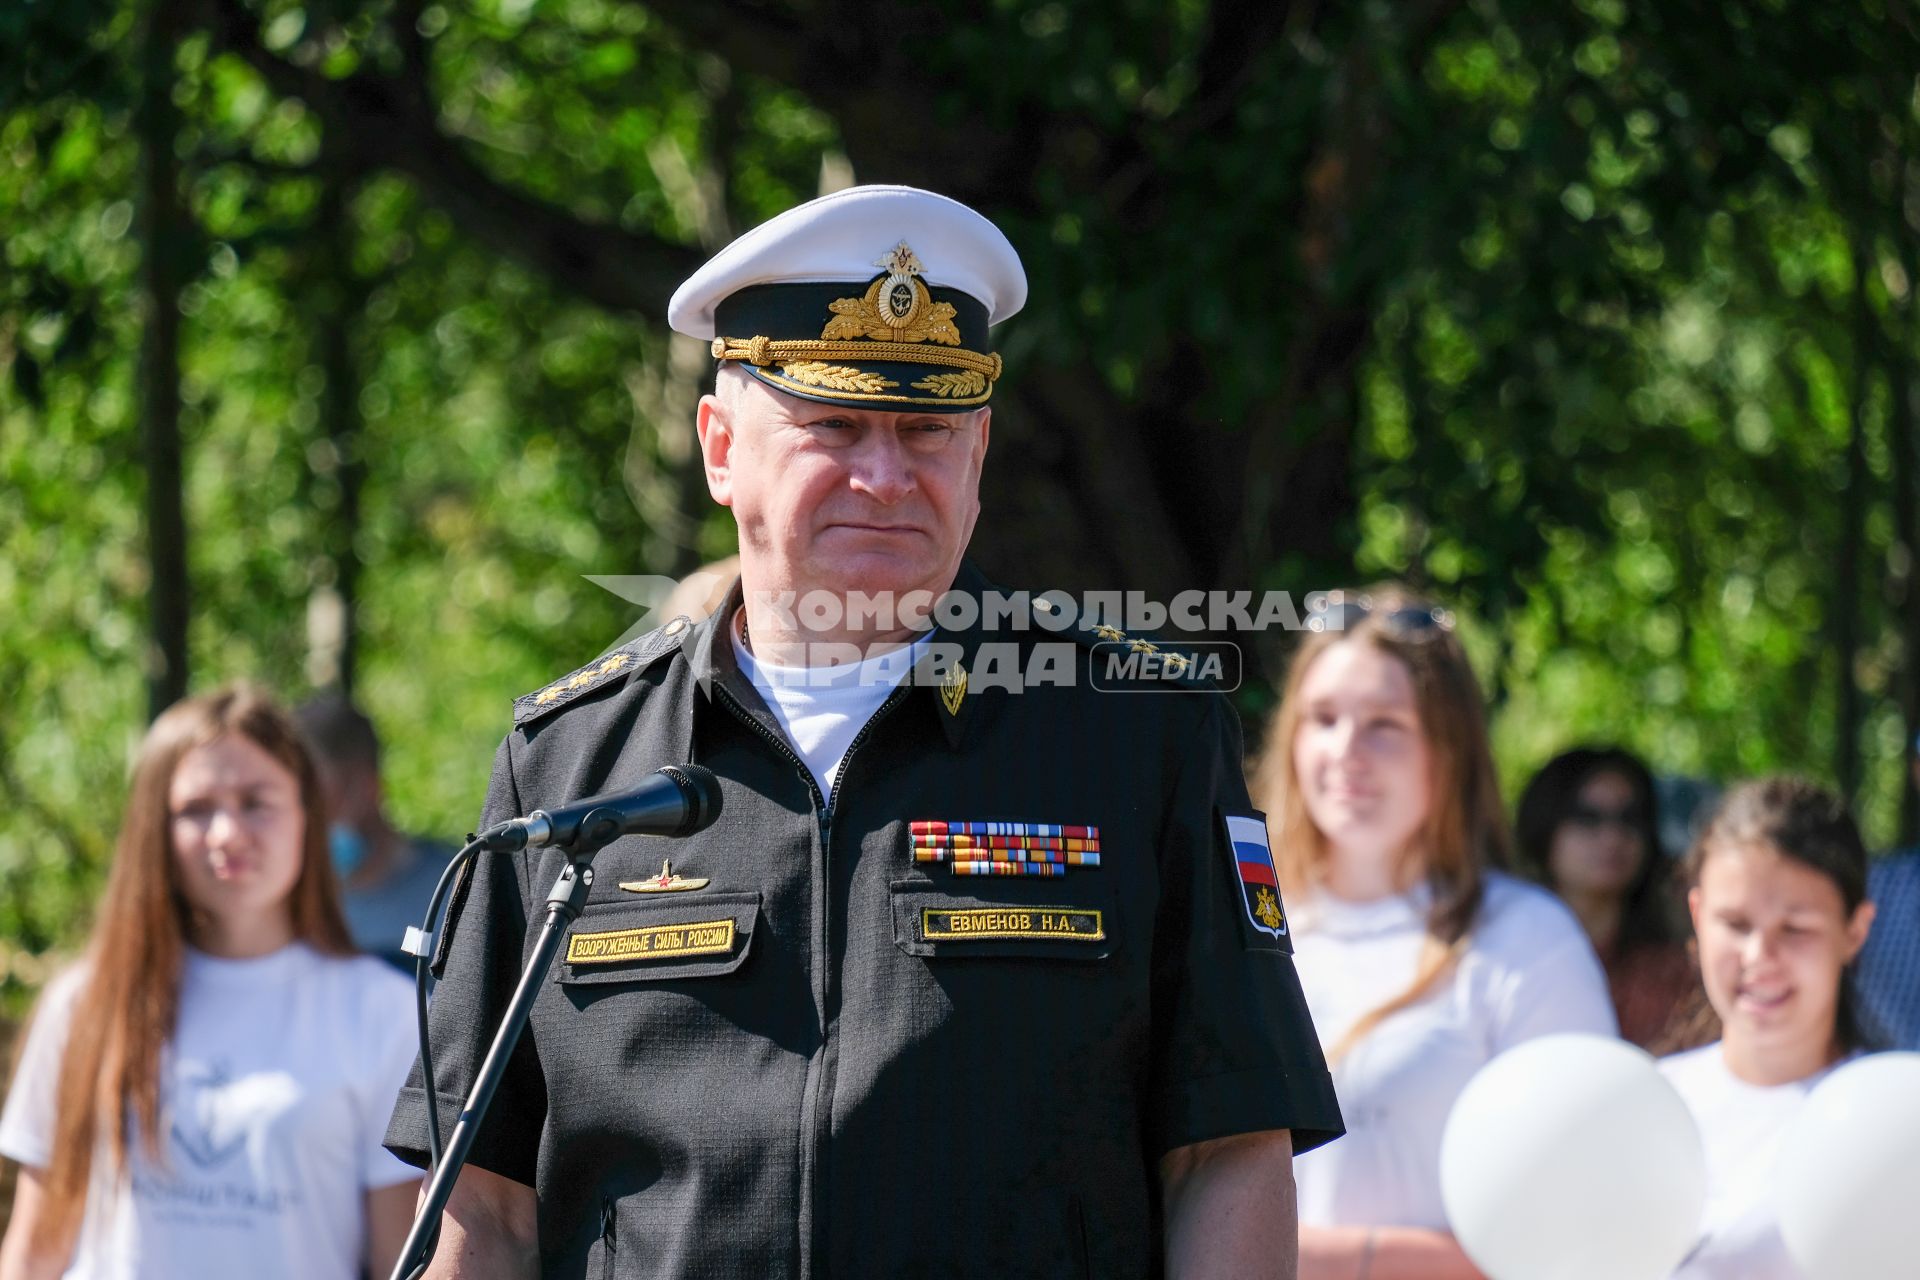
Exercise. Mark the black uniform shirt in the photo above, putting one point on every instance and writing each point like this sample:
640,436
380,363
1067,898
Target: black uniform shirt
833,1060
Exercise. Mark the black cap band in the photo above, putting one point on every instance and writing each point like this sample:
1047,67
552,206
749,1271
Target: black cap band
894,342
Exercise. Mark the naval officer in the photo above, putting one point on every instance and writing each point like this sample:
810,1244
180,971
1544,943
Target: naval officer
972,977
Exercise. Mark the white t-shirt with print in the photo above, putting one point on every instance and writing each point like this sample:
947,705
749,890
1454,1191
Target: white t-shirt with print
1528,971
275,1092
1741,1126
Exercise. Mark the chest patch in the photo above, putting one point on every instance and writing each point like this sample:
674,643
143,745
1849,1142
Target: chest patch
1049,924
655,942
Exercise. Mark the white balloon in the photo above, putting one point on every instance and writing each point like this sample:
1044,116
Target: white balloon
1570,1157
1847,1187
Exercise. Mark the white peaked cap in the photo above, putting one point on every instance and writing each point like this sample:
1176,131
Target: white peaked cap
841,237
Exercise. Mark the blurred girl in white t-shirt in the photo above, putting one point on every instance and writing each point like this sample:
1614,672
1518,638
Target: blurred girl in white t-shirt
1780,910
1420,961
205,1093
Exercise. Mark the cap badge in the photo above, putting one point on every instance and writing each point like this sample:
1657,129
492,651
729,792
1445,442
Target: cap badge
895,308
665,882
899,300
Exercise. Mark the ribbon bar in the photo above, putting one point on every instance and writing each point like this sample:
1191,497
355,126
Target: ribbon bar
1004,842
1053,856
1008,869
1044,829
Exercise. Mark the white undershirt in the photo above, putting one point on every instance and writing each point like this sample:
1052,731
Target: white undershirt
1741,1126
823,709
1528,971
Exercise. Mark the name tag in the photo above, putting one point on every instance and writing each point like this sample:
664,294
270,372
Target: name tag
1055,924
656,942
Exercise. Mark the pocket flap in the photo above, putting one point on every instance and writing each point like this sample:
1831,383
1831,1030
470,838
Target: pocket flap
1071,918
641,941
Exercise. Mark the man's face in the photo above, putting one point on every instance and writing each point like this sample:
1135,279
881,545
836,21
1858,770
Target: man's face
840,499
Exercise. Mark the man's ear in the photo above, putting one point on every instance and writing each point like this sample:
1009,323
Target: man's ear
980,449
716,448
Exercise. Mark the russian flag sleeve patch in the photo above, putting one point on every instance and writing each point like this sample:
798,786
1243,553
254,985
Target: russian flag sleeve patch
1258,880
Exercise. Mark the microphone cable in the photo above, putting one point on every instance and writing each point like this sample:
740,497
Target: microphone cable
421,942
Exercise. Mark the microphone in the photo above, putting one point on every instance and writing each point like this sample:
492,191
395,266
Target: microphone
677,800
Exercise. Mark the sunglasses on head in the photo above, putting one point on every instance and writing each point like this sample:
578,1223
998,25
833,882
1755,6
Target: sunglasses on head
1408,619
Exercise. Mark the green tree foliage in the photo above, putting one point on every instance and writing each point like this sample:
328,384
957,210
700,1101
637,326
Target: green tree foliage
1597,318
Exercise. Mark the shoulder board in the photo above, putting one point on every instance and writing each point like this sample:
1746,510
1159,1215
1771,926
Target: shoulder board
629,658
1170,661
1100,633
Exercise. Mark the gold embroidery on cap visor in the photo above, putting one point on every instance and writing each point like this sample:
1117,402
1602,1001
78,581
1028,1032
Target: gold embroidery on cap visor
949,386
808,365
836,377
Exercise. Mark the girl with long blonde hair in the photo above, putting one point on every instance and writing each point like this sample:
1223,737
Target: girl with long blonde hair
205,1093
1420,958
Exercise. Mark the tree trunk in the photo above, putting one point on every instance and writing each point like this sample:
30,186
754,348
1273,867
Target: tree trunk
333,613
165,241
1903,387
1900,383
1846,604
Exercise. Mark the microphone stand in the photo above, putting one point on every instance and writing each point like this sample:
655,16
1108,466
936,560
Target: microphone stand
564,903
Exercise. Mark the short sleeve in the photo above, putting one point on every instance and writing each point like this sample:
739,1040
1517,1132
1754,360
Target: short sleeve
1557,986
26,1126
391,1039
1235,1048
482,939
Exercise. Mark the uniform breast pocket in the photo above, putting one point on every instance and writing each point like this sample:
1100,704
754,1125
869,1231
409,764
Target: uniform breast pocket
1071,918
642,941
